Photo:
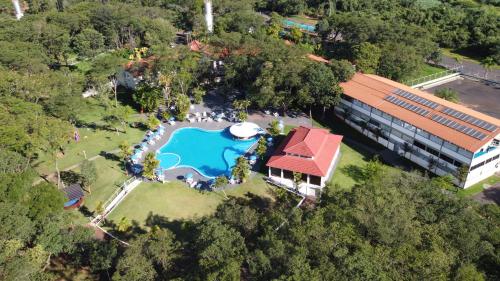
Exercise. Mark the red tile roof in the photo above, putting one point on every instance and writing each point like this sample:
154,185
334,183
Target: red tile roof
372,89
307,142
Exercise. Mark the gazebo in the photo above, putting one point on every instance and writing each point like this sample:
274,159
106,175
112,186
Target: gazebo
245,130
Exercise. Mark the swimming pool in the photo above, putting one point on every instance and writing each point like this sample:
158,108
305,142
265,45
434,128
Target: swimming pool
211,153
307,27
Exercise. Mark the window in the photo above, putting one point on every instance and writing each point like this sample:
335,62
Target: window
288,174
465,153
397,121
357,102
407,138
432,151
276,172
397,133
366,107
386,116
477,166
314,180
419,145
422,133
409,126
450,146
436,139
376,112
446,158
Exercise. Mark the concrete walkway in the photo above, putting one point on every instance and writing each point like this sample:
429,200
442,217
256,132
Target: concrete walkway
471,68
126,189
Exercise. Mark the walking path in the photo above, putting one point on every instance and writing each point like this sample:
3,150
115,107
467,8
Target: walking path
471,69
127,187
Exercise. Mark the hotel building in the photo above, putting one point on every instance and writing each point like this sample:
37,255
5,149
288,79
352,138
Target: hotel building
438,135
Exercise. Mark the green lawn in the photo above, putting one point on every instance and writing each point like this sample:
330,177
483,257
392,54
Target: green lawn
92,141
109,177
478,187
176,201
425,71
303,19
348,170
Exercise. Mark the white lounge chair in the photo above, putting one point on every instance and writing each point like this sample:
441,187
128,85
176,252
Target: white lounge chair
209,119
191,120
198,119
218,119
197,114
172,123
204,114
157,137
276,114
193,184
151,141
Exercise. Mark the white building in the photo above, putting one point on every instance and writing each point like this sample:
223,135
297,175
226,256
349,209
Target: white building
441,136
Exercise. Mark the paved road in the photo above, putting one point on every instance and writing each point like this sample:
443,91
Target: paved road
471,68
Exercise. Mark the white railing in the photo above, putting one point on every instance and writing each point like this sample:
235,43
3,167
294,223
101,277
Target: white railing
114,200
431,77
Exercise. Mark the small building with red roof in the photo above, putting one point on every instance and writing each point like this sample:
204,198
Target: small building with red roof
312,152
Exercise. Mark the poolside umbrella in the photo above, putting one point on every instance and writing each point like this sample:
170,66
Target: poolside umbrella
252,157
269,139
188,176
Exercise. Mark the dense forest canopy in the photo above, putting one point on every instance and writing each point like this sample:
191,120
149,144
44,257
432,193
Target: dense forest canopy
392,225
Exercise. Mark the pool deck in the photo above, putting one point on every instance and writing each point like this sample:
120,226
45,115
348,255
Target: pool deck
257,117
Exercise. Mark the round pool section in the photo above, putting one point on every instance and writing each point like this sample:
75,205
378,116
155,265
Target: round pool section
211,153
168,160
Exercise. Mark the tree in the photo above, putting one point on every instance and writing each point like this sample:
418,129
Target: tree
261,148
56,42
322,85
118,116
124,225
398,61
153,122
198,94
106,68
99,209
89,42
367,57
296,34
220,181
221,251
447,94
150,165
274,128
125,150
342,70
297,179
58,135
487,64
241,105
462,173
182,104
147,96
242,116
88,172
468,272
241,170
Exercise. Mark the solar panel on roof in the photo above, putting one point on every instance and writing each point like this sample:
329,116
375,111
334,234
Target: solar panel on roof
409,106
469,119
458,127
415,98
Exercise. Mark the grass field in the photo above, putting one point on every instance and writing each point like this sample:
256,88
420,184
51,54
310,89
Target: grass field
303,19
478,187
426,70
109,177
176,201
92,140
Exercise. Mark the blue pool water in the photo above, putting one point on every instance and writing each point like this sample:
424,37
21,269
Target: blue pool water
212,153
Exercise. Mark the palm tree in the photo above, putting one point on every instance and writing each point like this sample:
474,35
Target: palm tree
261,147
487,64
150,165
241,170
125,150
124,224
297,179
